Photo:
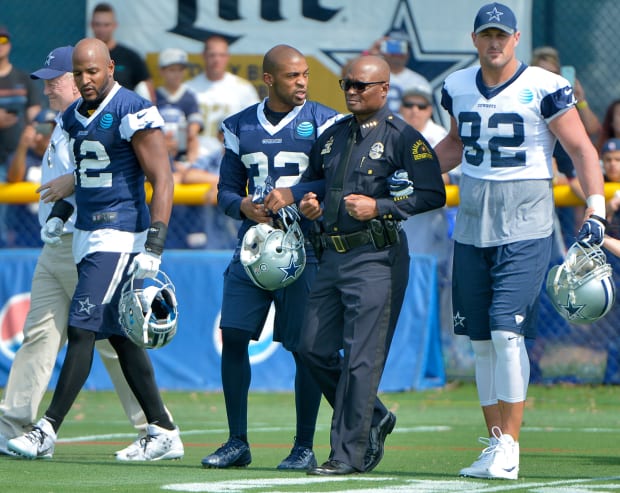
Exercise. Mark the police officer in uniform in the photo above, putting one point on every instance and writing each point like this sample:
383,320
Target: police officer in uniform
374,170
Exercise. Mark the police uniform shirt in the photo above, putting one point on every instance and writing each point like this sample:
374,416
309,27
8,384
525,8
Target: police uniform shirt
383,144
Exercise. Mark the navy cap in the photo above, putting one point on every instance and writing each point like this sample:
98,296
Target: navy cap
57,63
611,145
5,32
45,116
495,15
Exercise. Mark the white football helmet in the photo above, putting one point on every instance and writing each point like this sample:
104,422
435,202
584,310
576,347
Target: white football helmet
581,288
149,315
273,258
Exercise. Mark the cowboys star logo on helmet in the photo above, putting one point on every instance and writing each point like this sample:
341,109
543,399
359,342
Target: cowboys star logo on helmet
148,311
581,289
274,257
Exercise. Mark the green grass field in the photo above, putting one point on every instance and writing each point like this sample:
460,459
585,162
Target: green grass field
570,443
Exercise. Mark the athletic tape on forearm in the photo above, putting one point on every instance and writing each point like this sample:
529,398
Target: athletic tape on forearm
156,237
61,209
597,202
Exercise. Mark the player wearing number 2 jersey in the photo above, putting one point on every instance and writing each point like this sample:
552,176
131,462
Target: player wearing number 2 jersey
115,142
272,138
505,119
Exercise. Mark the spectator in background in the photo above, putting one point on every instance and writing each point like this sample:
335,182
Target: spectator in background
611,124
130,69
20,101
610,155
417,110
178,104
219,230
396,50
25,165
220,93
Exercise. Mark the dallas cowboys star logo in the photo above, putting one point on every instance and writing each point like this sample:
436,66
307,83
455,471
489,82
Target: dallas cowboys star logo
291,271
86,305
435,65
495,15
458,320
49,59
573,310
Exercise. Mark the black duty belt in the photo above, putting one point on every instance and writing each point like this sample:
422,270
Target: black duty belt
344,243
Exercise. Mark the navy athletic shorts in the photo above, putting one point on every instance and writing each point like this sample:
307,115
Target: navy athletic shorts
245,306
498,288
94,306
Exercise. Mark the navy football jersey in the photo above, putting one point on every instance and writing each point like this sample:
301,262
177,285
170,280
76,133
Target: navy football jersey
109,187
256,149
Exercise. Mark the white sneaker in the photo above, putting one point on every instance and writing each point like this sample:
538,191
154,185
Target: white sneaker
37,443
158,444
505,463
132,447
500,460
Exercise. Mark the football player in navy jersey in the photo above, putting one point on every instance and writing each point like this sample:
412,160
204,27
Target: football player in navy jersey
268,139
505,119
115,139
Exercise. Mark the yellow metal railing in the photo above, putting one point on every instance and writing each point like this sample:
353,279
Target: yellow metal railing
24,193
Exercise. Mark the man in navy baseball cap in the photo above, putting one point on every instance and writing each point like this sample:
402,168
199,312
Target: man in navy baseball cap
57,63
495,15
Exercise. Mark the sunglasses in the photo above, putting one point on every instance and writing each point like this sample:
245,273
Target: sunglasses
4,40
420,106
359,86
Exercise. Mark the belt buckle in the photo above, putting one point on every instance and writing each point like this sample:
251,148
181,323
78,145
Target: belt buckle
338,244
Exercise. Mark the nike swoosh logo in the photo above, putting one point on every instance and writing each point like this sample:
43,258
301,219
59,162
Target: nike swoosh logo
140,115
567,90
512,338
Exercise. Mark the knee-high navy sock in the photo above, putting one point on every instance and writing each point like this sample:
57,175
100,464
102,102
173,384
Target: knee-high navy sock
73,374
307,401
236,376
138,371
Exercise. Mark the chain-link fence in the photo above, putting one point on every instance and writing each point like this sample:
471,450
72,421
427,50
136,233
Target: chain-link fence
586,35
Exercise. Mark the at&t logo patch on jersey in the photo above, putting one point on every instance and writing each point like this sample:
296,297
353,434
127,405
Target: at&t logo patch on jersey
106,121
305,130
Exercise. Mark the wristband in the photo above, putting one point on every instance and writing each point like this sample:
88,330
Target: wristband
581,104
156,237
597,202
61,209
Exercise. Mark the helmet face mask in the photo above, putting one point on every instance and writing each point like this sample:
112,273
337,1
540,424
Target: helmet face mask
273,258
149,315
581,289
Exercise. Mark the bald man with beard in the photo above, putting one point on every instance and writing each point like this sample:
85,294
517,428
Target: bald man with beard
358,292
116,141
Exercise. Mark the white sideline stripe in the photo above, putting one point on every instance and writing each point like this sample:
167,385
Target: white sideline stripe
414,429
396,484
112,436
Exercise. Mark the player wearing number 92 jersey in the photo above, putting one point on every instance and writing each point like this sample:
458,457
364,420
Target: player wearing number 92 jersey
507,150
112,214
